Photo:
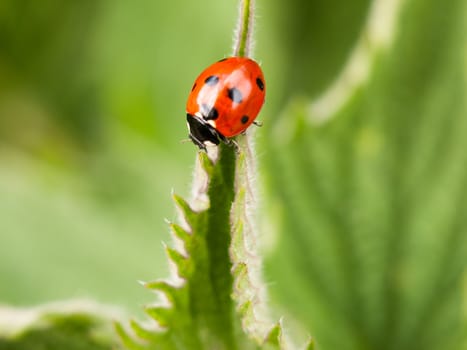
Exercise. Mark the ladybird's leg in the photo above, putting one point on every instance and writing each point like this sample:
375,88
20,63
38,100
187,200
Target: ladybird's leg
236,145
258,123
233,142
222,138
228,142
198,143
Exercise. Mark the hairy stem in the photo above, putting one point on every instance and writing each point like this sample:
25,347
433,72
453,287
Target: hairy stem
244,32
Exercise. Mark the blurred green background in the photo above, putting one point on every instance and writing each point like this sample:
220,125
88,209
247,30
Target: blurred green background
364,216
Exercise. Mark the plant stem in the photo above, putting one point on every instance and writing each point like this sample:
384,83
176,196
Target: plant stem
243,35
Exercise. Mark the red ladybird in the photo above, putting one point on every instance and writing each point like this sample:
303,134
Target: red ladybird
224,101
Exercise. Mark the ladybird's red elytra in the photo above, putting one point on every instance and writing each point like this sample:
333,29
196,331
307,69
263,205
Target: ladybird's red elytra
225,100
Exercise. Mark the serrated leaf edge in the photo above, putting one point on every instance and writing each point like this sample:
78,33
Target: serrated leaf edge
171,289
249,290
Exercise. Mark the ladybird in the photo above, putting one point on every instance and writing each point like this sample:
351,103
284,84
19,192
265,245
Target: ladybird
224,101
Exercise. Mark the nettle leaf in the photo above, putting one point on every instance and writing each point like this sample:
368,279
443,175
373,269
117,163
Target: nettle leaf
214,297
369,182
72,325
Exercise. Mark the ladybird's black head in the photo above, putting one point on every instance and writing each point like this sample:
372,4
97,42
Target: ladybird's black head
201,132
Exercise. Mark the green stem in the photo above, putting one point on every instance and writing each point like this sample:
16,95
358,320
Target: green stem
244,32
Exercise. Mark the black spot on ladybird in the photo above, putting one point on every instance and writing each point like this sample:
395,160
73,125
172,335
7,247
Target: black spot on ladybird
213,114
235,95
209,113
212,80
244,119
260,83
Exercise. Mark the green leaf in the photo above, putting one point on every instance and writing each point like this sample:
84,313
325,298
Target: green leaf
200,311
73,326
369,182
215,296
